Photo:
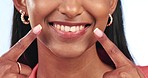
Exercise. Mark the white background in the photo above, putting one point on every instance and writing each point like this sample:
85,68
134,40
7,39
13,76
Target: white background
135,20
6,11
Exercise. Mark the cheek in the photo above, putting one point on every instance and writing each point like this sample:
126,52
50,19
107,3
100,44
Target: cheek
99,9
101,24
38,10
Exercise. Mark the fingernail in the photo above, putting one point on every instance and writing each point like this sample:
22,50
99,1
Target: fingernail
37,29
98,32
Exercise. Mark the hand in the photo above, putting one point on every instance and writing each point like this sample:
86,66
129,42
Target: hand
124,67
9,68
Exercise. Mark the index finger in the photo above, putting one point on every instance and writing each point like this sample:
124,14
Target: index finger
17,50
115,54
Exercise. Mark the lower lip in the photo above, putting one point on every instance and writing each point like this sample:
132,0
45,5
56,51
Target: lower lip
69,35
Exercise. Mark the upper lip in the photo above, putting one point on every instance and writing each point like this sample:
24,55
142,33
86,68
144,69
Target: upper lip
70,23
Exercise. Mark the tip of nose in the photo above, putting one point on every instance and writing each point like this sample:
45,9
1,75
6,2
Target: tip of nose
71,11
72,14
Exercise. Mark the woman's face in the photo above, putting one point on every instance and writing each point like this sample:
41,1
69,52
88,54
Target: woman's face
68,24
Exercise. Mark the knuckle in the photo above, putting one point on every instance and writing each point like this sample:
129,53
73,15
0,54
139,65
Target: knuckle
30,36
9,69
12,75
7,64
14,67
22,69
113,49
124,75
128,72
24,42
5,67
109,75
21,44
29,72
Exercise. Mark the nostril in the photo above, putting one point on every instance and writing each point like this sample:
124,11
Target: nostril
71,13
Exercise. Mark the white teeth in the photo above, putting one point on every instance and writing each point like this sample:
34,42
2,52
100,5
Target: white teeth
62,28
73,29
81,27
69,28
58,26
77,28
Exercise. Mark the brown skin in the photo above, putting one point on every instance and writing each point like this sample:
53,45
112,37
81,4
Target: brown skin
8,65
68,58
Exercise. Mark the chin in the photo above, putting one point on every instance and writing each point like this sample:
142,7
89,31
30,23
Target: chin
68,52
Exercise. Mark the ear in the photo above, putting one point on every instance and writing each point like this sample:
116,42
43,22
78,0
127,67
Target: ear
113,5
20,5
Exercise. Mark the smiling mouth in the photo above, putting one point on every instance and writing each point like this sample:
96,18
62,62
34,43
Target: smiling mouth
68,30
69,27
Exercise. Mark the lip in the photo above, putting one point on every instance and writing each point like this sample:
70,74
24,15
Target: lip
70,35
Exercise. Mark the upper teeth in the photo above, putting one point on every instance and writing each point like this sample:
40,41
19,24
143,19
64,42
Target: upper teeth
69,28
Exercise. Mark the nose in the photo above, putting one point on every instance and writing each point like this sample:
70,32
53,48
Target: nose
70,8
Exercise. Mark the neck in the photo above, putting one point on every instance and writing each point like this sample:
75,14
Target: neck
88,65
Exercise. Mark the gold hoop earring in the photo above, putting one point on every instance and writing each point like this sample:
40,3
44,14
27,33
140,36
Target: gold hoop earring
111,20
23,19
